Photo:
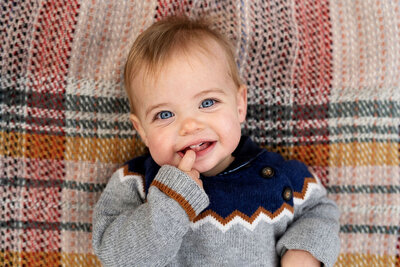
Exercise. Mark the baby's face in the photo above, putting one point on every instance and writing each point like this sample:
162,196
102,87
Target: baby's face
194,104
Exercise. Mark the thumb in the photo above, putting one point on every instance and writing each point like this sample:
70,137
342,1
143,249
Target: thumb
187,161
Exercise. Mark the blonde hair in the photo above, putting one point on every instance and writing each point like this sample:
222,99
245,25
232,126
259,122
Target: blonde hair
153,47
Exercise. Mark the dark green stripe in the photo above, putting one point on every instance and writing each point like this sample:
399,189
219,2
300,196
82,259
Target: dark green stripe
73,123
351,109
47,226
99,124
370,229
126,126
365,108
102,136
13,97
364,189
32,183
364,129
97,104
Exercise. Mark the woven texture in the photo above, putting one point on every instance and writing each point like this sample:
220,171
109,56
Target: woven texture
323,79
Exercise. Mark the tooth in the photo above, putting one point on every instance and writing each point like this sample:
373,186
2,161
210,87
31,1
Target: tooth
198,145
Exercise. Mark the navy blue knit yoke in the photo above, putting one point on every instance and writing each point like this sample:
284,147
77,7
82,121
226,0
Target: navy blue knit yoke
242,187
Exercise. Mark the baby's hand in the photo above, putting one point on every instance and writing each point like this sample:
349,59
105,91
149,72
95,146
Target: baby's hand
186,165
299,258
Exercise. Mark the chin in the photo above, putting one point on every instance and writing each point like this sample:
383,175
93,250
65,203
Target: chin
201,168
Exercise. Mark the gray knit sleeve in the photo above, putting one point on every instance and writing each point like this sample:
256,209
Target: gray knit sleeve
315,227
130,229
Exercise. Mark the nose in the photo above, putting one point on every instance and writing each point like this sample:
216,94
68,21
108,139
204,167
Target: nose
190,126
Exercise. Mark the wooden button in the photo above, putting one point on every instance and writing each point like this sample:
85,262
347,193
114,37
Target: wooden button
267,172
287,193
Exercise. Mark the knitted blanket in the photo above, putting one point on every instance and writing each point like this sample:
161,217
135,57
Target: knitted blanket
323,80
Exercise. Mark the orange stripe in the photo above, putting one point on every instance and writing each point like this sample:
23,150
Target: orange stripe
260,210
38,146
311,155
303,192
11,144
237,213
178,197
127,172
41,146
44,146
31,258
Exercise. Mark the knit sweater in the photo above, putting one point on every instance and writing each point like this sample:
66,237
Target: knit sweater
248,215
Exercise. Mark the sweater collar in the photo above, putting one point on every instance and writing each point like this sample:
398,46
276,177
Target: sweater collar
244,153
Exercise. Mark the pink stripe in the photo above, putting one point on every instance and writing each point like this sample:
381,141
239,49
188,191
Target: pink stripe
312,73
313,67
47,73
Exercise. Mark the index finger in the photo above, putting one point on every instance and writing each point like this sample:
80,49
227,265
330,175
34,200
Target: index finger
187,161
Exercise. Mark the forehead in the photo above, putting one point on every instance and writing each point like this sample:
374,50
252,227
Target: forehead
208,52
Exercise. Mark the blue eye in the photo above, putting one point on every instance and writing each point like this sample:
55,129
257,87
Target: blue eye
207,103
163,115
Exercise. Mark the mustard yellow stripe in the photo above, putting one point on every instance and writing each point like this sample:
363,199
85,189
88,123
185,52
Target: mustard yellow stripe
76,259
82,260
339,155
107,150
364,154
366,260
10,258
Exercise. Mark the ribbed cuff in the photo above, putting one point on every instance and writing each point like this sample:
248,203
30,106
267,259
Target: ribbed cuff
183,189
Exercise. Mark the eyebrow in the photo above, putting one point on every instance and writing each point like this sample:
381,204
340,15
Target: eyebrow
205,92
212,90
151,108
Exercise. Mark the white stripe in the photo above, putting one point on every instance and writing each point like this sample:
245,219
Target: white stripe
67,130
109,117
311,187
61,114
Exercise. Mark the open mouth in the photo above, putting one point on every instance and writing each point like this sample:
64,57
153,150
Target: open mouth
198,148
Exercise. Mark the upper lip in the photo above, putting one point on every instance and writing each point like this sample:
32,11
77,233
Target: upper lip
195,143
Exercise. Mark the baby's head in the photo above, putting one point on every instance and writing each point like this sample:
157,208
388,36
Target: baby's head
185,93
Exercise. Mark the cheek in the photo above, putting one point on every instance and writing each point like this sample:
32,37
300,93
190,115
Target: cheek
160,147
229,128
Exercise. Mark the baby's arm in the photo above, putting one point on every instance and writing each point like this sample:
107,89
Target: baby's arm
128,231
315,227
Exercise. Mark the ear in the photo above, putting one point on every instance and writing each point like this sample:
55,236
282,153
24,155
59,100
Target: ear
242,102
139,128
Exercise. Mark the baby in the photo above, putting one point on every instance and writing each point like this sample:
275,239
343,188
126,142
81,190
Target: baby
205,196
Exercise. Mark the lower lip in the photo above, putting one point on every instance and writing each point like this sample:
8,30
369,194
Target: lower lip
205,151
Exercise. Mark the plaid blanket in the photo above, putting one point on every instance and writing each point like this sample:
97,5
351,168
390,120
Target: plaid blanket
323,79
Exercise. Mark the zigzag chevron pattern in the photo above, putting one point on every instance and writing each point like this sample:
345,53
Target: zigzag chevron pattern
261,214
